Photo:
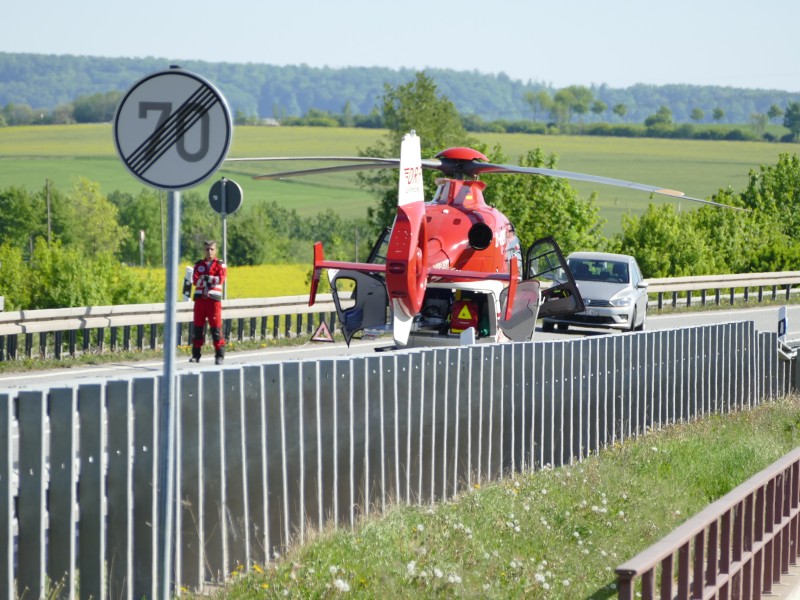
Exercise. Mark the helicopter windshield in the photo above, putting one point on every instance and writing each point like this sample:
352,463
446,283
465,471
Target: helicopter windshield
442,192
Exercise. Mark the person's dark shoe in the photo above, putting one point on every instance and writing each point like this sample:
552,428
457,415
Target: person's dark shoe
195,355
218,360
219,357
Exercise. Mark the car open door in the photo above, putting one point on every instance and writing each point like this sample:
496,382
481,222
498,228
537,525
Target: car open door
545,263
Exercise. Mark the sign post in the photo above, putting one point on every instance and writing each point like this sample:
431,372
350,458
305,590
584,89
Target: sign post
225,197
172,131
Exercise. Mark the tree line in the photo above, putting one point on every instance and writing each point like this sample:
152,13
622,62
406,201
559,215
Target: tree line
48,258
48,84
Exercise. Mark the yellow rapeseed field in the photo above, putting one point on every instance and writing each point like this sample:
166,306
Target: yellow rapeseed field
262,281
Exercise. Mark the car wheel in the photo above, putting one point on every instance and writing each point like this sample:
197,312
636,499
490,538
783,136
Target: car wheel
633,320
644,319
547,326
563,327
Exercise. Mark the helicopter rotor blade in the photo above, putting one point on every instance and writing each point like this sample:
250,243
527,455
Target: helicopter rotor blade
492,168
320,170
460,168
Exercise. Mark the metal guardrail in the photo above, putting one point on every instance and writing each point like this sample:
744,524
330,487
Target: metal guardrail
717,283
288,316
100,326
737,547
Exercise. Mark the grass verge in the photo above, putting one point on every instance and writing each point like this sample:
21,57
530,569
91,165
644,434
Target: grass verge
557,533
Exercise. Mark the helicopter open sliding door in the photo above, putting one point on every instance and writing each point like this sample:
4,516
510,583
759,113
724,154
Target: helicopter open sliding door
520,327
361,301
545,263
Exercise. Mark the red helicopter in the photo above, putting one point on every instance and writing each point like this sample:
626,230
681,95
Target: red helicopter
451,270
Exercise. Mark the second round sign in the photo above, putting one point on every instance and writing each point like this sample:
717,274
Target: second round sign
172,129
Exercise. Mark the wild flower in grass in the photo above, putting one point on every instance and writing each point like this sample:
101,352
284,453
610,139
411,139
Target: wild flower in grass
453,579
341,585
333,570
565,583
411,568
419,528
437,572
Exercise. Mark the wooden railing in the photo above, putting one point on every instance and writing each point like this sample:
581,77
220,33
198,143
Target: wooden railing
738,547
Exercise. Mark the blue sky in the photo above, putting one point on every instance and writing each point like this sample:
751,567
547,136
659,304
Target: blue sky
560,42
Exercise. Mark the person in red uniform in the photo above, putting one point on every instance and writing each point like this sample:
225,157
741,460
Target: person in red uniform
208,276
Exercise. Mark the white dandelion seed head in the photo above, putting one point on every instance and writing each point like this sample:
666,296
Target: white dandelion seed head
341,585
437,573
333,570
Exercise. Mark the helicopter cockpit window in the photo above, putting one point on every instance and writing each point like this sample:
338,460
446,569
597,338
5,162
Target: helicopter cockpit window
379,250
442,192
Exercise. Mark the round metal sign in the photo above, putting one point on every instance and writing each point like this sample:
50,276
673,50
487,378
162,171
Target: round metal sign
230,190
172,129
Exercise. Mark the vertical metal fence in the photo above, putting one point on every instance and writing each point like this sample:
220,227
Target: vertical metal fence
267,454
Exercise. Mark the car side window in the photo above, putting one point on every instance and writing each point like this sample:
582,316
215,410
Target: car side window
636,275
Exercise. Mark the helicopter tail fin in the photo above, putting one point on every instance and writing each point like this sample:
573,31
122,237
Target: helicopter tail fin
410,187
407,254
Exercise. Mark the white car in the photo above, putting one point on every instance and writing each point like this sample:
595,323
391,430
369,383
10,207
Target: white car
613,290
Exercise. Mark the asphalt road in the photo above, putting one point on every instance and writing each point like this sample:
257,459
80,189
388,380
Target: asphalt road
766,319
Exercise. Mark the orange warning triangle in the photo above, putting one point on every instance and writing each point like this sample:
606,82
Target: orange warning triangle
322,334
464,314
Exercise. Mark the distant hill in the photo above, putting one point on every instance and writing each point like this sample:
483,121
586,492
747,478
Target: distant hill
47,81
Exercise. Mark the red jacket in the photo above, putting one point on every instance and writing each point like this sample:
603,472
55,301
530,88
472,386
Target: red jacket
212,288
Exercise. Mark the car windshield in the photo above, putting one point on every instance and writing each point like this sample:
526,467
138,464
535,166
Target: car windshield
599,270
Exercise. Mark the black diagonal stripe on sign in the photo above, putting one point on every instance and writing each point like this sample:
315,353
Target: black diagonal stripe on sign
164,136
150,145
171,130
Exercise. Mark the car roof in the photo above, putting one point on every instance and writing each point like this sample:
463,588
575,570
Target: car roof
602,256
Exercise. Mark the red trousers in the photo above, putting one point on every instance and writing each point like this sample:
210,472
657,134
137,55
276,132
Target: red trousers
211,310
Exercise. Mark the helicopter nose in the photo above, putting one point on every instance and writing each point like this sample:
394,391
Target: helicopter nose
479,236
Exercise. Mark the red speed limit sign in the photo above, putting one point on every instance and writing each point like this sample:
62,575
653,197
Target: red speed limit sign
172,129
